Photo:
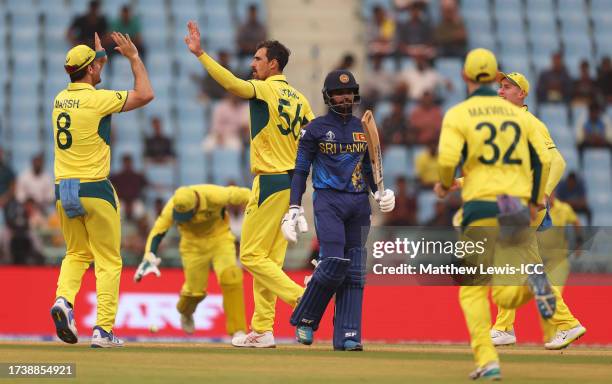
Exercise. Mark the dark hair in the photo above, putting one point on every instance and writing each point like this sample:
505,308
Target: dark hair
276,51
78,75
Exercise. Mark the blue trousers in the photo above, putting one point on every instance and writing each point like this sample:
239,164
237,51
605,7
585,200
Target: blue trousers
342,222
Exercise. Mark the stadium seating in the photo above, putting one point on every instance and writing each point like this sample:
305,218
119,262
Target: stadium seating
397,162
522,32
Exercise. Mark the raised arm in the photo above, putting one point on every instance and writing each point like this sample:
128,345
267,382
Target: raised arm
225,78
98,47
142,93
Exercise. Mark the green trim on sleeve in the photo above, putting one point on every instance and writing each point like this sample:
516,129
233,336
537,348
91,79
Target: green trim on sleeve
104,129
260,116
156,241
127,94
536,166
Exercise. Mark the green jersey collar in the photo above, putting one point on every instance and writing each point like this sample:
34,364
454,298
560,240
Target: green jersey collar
484,90
277,78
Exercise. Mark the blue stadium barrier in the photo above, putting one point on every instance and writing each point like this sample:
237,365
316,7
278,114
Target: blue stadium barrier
468,5
539,6
426,206
160,175
570,6
226,166
553,114
397,162
192,161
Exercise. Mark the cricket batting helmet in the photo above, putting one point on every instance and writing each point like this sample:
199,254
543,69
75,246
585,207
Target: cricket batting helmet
338,80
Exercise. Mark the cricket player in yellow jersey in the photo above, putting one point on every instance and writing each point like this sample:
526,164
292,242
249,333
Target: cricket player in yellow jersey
203,223
514,87
86,201
278,112
505,163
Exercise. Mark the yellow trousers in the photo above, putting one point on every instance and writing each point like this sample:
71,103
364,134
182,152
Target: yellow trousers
557,269
197,256
263,247
474,299
95,237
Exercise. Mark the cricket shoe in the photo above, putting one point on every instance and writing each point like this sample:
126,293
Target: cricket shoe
238,334
543,295
304,334
103,339
490,371
352,346
63,317
501,338
564,338
255,340
187,324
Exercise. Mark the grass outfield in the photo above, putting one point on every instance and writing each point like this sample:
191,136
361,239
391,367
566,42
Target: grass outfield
214,363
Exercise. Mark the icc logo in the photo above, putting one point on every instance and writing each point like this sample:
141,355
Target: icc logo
330,136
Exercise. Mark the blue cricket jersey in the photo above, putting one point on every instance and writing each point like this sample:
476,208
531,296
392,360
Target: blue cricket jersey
337,152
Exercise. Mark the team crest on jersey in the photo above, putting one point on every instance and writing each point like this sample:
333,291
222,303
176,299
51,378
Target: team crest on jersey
359,137
330,136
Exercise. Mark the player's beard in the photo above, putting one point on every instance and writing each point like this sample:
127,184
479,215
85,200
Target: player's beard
344,108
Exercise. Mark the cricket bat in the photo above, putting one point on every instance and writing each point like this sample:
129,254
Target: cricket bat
371,133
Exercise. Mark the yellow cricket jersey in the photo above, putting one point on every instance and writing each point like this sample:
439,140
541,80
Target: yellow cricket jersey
562,214
210,219
541,129
498,146
426,167
278,112
557,163
81,130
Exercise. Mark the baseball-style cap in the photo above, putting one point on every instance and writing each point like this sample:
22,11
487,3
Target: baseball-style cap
185,201
516,79
480,66
81,56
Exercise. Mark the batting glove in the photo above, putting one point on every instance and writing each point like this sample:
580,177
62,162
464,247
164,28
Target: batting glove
386,202
148,265
295,216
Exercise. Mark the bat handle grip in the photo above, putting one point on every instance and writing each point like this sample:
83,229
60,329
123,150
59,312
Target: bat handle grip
381,187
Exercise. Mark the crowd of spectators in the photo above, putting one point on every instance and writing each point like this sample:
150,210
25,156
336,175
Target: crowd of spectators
26,206
409,31
27,197
415,95
404,43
